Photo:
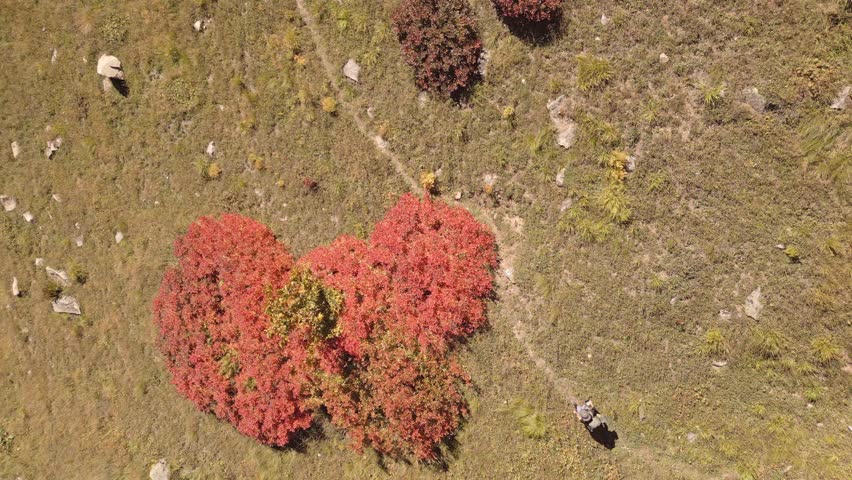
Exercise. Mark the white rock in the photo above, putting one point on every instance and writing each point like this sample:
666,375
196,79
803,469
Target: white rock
29,217
39,262
16,292
371,112
78,240
211,149
53,56
66,304
59,276
458,196
16,150
381,142
560,177
691,437
119,237
724,315
352,70
199,25
664,58
110,67
56,198
753,306
566,204
484,58
842,100
510,274
52,147
489,179
719,363
160,470
9,203
604,20
630,166
754,99
566,127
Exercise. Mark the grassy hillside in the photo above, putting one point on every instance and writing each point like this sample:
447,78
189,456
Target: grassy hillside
628,301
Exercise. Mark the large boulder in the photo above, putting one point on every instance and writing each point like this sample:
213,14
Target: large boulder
67,304
566,127
352,70
9,203
110,67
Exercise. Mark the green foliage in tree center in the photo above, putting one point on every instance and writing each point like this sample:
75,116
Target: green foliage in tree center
305,302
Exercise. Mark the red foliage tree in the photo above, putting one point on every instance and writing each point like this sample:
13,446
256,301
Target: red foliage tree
440,42
442,270
534,11
209,311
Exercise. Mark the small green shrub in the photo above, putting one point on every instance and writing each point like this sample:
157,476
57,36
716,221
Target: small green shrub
825,351
712,95
51,290
531,422
792,253
812,394
592,72
714,343
767,343
6,440
78,273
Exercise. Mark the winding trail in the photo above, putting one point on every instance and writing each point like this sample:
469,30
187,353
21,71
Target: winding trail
508,290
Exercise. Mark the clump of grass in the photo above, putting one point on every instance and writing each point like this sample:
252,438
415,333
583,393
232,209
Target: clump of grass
812,394
213,171
825,351
208,169
6,440
329,105
182,94
257,162
51,290
599,134
792,253
113,30
531,422
536,143
712,95
592,72
767,343
714,343
613,201
508,115
78,273
429,182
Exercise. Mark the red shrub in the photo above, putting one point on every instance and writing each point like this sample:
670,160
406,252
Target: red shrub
528,10
399,400
442,270
440,41
209,311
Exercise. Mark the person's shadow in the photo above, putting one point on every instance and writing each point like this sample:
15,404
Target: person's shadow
605,436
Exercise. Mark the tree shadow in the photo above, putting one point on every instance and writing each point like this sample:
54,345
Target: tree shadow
120,86
536,33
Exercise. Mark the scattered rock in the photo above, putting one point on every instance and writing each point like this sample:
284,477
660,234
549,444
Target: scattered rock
211,149
371,112
78,240
780,246
29,217
820,425
52,147
720,363
630,166
566,204
753,306
489,179
59,276
9,203
39,262
119,237
641,412
560,177
510,274
604,20
53,56
787,469
381,142
691,437
352,70
201,24
484,57
842,100
16,292
422,98
160,470
66,304
724,315
56,198
458,196
110,67
16,150
664,59
566,127
754,99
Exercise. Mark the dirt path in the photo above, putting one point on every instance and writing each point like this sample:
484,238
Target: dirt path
509,292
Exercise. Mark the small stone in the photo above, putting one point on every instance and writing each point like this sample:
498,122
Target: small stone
720,363
52,147
489,179
630,166
780,246
119,237
566,204
200,25
422,98
59,276
16,150
16,292
106,84
53,56
381,142
39,262
9,203
78,240
691,437
352,70
211,149
820,425
641,412
66,304
842,100
160,470
664,59
754,99
56,198
724,315
371,112
753,305
566,127
787,469
510,274
484,57
560,177
110,67
604,20
458,196
29,217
